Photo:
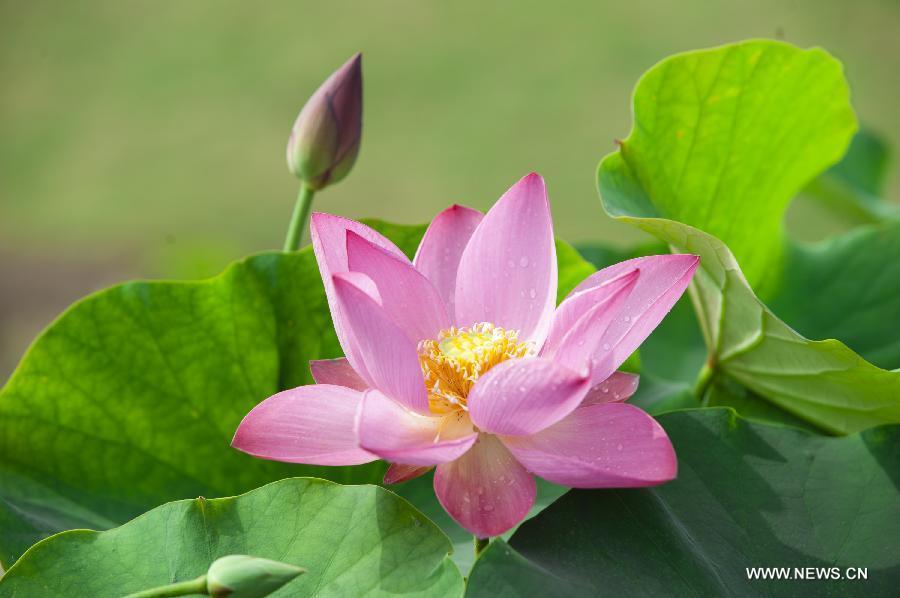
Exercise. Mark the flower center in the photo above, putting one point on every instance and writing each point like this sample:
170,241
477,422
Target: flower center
453,362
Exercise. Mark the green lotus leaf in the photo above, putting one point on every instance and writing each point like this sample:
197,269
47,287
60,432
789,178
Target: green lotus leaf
723,139
352,541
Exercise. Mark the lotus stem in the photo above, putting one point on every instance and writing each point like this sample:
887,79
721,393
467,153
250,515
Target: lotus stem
299,218
704,380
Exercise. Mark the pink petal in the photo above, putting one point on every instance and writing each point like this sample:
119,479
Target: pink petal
616,389
406,295
524,396
576,305
612,445
362,282
662,281
486,490
349,342
389,359
329,240
581,347
507,273
396,434
442,247
398,473
329,236
310,424
338,372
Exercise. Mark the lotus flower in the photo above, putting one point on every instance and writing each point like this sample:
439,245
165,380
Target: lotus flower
460,360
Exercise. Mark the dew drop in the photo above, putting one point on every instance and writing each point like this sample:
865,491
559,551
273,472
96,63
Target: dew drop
523,262
532,293
487,508
606,346
510,264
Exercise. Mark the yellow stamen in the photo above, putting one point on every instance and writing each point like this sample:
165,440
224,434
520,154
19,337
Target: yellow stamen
453,362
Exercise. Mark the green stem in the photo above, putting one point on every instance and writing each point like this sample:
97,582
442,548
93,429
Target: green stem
182,588
480,545
299,218
704,380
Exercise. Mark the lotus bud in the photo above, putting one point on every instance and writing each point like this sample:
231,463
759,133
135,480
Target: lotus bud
325,139
241,576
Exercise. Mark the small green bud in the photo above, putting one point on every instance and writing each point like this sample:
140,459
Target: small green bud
242,576
325,139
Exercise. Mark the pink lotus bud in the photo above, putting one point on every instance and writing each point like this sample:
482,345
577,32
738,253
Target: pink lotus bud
325,138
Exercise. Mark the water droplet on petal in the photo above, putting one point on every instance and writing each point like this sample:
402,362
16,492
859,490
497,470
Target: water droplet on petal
532,293
511,264
523,262
606,346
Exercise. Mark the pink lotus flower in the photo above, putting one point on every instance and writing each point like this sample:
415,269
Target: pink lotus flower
461,360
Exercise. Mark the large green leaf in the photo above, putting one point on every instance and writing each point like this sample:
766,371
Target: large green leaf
131,397
352,540
723,139
747,495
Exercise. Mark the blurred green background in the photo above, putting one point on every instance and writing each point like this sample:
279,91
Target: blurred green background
146,139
